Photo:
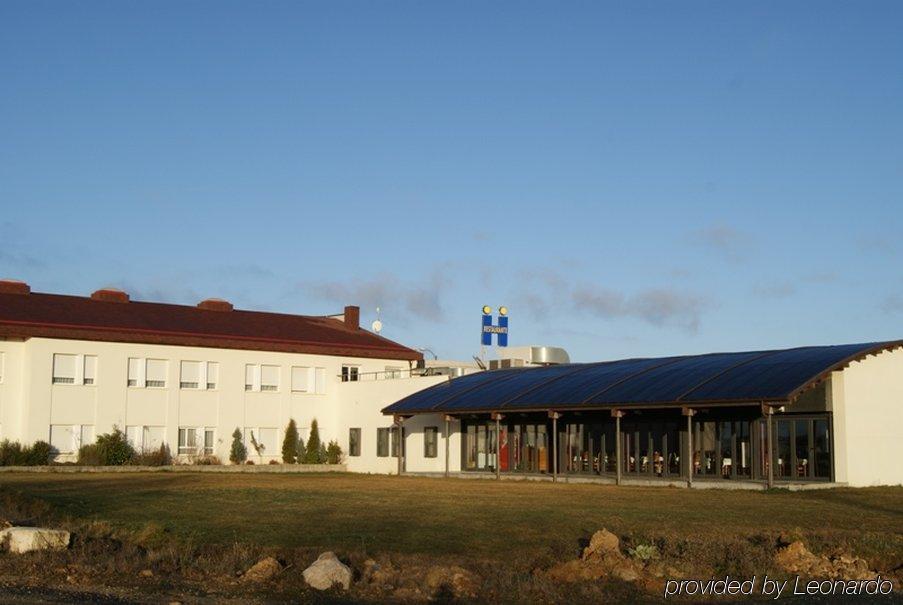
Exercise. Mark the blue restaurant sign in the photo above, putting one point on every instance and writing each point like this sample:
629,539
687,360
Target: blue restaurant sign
500,330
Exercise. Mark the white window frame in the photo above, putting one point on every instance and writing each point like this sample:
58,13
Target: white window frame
165,380
307,376
351,372
212,368
199,378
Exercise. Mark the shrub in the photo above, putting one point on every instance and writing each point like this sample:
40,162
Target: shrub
38,454
13,453
644,552
290,443
207,461
334,453
159,457
313,450
110,449
238,453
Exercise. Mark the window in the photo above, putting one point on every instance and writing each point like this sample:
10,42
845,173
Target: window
269,378
208,442
430,441
62,438
64,368
156,373
74,369
350,373
251,377
134,365
261,441
191,375
261,377
89,366
319,380
301,379
145,438
188,441
382,442
354,442
86,435
212,374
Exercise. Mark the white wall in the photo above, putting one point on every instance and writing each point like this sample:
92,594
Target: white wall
30,403
867,399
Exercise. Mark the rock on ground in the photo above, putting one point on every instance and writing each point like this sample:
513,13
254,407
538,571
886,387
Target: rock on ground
457,580
27,539
602,558
796,558
262,571
327,571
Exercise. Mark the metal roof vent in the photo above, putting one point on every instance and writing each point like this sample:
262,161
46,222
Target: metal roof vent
110,295
215,304
14,286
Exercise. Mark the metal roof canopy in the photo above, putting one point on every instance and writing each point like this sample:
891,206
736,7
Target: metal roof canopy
777,376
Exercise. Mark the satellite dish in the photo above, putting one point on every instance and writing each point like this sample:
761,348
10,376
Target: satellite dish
377,325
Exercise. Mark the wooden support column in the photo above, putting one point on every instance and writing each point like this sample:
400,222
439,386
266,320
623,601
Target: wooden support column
554,416
689,412
447,437
769,412
617,415
498,444
399,441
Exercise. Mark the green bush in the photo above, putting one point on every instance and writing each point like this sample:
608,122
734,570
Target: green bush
290,443
238,453
13,453
110,449
334,453
315,452
38,454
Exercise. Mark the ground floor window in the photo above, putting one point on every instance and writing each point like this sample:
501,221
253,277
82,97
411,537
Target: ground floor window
802,448
727,443
354,442
430,441
382,442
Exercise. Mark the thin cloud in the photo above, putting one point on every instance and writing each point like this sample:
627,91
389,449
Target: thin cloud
656,306
726,241
779,290
422,300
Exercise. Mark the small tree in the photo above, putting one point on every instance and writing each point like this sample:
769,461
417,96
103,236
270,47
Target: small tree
238,453
334,452
312,451
110,449
290,443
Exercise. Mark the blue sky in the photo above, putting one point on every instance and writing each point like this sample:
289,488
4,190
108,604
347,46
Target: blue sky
628,178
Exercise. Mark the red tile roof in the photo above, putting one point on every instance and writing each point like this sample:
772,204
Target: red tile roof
27,315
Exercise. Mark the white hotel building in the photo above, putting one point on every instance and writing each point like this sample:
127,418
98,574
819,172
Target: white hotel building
74,367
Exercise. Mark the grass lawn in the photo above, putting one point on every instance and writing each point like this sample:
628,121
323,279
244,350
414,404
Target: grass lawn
474,518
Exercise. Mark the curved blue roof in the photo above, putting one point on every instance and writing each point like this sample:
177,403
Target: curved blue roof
751,377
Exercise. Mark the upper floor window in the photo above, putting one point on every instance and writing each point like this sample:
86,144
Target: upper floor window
301,379
261,377
74,369
198,375
269,378
149,373
350,373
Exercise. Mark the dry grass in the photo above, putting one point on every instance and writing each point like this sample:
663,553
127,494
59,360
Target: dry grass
206,526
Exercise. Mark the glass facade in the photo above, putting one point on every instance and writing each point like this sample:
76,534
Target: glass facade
727,444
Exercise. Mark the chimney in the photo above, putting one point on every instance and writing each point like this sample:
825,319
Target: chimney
215,304
110,295
14,286
352,317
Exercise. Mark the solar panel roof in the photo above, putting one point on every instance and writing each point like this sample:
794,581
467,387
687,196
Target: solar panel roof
745,377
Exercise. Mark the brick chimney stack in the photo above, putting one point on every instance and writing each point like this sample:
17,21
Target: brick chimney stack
353,317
